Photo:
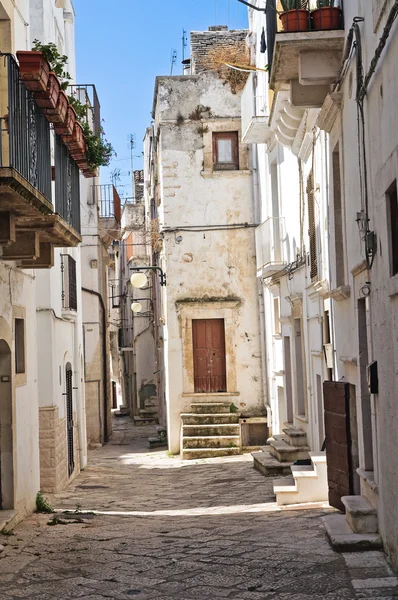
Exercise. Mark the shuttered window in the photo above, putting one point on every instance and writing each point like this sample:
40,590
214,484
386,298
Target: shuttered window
311,224
69,284
226,151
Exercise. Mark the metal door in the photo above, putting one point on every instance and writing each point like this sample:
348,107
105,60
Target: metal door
209,355
338,441
69,418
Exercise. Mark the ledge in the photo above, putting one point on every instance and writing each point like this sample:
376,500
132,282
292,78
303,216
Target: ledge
207,395
226,173
341,293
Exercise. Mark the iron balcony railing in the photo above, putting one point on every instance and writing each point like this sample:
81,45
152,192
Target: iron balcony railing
25,133
87,95
271,243
108,200
67,188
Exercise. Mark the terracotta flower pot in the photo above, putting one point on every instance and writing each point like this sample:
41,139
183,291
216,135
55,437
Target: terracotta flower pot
295,20
328,17
57,114
88,173
76,141
49,98
34,70
66,128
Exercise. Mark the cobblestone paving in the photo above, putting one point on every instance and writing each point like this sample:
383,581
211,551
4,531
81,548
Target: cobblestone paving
174,530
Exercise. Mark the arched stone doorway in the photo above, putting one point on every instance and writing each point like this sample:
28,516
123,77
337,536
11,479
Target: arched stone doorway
6,450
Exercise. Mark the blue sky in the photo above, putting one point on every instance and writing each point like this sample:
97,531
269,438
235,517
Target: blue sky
121,46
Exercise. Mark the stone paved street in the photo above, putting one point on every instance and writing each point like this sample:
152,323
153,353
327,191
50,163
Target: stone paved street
172,530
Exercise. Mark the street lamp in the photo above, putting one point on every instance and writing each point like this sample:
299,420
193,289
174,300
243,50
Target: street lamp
140,279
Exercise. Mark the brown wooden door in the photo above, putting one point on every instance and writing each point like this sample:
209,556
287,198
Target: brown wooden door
338,441
209,355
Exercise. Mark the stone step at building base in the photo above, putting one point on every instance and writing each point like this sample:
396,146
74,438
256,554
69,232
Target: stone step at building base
196,453
211,441
360,514
344,539
266,464
210,407
295,437
145,420
209,419
284,452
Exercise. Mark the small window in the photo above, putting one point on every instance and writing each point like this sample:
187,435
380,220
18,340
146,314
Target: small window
19,346
392,208
69,287
226,151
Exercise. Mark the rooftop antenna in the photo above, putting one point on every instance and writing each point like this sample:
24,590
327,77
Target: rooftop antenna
132,147
173,60
184,45
115,176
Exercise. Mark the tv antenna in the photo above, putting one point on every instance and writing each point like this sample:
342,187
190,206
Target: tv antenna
173,60
184,45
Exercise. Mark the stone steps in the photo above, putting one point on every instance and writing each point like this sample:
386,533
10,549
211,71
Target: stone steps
196,453
285,452
211,441
210,430
210,407
344,539
266,464
209,419
295,437
308,483
360,514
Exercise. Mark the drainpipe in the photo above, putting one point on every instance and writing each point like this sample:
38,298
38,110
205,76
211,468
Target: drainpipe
263,347
106,379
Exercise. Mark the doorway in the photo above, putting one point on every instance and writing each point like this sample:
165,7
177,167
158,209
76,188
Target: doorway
6,449
69,418
367,431
209,355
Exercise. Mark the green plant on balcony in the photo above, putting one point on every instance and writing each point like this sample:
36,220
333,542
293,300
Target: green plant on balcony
99,151
293,4
79,108
56,61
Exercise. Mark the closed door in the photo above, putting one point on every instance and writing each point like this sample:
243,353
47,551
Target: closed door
338,441
69,418
209,355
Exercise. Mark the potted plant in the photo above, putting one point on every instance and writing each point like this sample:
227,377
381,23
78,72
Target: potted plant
295,15
76,142
34,70
56,61
99,150
326,15
49,98
67,127
57,114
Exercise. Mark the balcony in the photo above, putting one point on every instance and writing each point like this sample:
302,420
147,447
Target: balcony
107,199
255,127
30,225
87,95
270,246
306,60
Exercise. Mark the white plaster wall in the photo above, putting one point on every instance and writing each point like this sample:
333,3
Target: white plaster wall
208,264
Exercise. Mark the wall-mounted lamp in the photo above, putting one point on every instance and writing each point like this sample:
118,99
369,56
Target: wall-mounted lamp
136,307
140,279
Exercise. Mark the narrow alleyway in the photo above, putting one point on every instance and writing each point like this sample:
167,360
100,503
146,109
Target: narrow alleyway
173,530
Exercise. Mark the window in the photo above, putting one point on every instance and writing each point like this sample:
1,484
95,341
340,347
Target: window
311,225
277,323
69,289
19,346
226,151
338,218
392,209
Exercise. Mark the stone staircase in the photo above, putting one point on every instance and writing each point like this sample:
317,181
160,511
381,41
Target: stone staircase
209,430
357,529
281,452
148,414
308,483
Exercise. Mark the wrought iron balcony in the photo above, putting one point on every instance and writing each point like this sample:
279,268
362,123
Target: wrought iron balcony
107,199
270,246
304,51
30,224
87,95
255,116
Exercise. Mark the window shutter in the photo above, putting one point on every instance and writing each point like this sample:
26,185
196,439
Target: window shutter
311,224
72,283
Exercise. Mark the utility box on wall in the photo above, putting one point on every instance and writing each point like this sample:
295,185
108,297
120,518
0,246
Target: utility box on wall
254,431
